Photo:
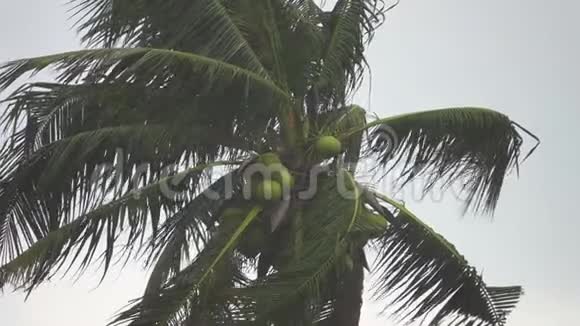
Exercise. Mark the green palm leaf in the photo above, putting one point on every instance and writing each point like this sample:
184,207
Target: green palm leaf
349,26
184,85
176,298
180,25
84,169
328,221
155,64
128,214
186,228
421,273
475,146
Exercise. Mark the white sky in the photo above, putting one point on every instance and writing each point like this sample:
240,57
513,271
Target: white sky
518,56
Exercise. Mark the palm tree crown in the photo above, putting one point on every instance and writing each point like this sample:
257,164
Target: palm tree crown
215,140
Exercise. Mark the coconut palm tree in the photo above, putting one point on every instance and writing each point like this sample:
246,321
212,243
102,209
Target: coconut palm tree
142,148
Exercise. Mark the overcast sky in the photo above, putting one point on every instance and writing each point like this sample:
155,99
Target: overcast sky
519,57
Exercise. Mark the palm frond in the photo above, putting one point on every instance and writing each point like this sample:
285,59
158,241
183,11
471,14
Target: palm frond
176,298
475,146
423,276
272,13
206,27
80,239
110,161
172,245
350,26
89,135
44,189
300,27
151,66
328,221
51,111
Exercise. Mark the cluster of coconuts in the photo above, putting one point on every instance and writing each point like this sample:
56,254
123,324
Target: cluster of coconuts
270,181
278,178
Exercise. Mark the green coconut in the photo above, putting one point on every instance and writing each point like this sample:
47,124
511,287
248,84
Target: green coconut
281,174
268,190
328,146
269,158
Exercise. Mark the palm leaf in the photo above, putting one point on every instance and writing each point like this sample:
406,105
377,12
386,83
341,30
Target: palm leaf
475,146
52,111
81,238
206,27
420,273
120,65
272,30
300,27
350,25
179,294
156,64
328,221
187,228
43,190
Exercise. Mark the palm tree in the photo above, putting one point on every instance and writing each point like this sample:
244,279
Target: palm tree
142,145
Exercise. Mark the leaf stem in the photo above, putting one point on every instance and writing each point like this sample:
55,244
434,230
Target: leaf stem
418,221
406,115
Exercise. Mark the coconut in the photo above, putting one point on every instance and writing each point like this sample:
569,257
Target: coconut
268,190
269,158
328,146
281,174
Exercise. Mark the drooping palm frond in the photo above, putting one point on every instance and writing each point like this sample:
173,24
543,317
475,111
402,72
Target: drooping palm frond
474,146
185,233
87,133
192,286
78,241
47,188
424,277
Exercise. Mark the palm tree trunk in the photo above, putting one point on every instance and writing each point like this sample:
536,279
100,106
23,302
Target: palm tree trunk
349,296
350,300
